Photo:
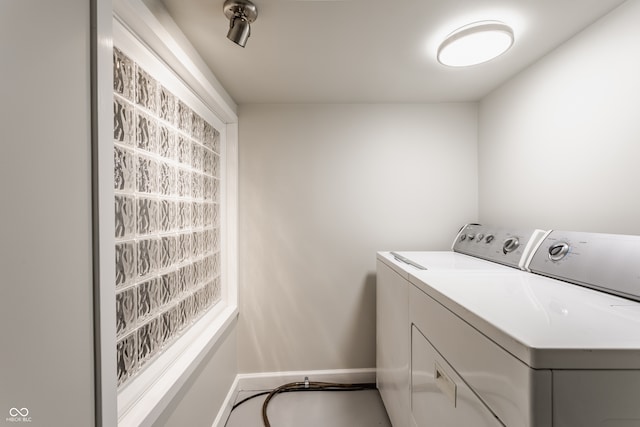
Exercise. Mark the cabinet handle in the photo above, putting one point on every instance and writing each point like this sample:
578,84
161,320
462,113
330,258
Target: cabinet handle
445,384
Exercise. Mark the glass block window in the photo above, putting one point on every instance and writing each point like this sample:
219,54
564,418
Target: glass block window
167,214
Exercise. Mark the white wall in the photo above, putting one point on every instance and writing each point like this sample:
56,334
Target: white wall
559,144
46,337
198,402
322,188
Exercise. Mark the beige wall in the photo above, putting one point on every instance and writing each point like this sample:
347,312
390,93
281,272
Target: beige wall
46,337
559,144
322,188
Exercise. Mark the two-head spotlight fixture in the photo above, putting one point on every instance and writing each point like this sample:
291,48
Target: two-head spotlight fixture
241,14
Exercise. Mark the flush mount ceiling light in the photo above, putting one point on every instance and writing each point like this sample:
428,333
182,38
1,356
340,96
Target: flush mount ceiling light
475,43
241,14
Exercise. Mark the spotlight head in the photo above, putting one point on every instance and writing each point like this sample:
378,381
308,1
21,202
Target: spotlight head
241,14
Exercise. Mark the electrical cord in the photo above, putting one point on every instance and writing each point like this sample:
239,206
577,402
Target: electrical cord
303,386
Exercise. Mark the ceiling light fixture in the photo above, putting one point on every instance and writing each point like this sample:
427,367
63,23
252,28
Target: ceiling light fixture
475,43
241,14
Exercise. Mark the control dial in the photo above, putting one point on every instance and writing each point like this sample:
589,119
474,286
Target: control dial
559,250
510,245
489,238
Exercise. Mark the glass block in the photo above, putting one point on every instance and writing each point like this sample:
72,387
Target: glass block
217,289
147,215
197,156
183,182
208,266
197,128
197,185
208,135
216,166
185,312
207,214
125,263
124,169
184,215
168,216
166,105
207,161
170,324
168,251
197,215
125,216
122,74
149,340
214,236
166,142
184,247
126,311
198,302
127,358
168,287
147,174
216,215
146,132
123,121
183,117
148,253
216,264
216,141
185,278
167,179
216,190
146,90
208,188
183,150
148,297
197,243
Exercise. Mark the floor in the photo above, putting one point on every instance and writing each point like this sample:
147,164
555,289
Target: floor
313,409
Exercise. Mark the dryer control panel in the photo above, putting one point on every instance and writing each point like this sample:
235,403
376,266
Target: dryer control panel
506,246
607,262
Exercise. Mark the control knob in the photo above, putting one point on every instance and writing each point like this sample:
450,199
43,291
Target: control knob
510,245
489,238
559,250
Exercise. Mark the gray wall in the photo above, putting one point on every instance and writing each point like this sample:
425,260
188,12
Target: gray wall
46,338
322,188
559,144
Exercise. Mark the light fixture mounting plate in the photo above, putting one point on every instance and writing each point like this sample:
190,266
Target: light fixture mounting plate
233,8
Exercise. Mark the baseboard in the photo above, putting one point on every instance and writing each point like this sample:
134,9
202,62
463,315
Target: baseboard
271,380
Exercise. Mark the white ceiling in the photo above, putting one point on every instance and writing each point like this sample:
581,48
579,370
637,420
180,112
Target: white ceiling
371,51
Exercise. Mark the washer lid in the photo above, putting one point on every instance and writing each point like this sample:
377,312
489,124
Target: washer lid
546,323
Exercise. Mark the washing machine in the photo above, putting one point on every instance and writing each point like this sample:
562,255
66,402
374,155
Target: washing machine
558,346
475,248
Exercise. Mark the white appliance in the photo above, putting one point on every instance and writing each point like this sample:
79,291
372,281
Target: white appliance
513,348
475,248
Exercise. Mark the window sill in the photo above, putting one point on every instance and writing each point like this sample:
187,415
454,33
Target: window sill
142,401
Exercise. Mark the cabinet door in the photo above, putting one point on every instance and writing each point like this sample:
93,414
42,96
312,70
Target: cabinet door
439,397
393,346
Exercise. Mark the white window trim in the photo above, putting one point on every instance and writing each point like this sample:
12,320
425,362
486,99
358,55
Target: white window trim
133,28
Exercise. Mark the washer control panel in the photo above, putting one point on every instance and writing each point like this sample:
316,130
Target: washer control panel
607,262
498,244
